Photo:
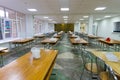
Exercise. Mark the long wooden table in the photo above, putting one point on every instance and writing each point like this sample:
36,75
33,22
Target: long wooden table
39,36
93,37
73,36
107,44
3,48
1,55
80,43
93,40
21,43
57,36
60,33
49,41
114,65
27,68
111,42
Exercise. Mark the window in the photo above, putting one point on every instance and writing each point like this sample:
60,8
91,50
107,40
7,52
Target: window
37,26
11,19
21,24
1,29
7,28
10,14
1,22
117,27
2,14
12,23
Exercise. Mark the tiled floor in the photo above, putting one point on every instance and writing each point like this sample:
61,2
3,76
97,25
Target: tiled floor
69,63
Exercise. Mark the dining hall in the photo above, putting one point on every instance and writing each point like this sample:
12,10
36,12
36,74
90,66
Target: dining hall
59,40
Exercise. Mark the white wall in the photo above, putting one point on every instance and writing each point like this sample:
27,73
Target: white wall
77,27
45,27
29,26
106,27
22,28
51,27
90,25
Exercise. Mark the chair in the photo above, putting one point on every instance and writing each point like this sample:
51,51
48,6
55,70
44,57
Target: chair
89,65
108,74
2,54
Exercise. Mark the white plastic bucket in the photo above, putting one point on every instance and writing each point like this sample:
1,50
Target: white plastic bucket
35,52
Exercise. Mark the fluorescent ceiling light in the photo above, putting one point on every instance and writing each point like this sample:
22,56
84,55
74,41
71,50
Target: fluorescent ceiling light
81,19
65,16
45,17
107,16
64,9
85,16
32,10
100,8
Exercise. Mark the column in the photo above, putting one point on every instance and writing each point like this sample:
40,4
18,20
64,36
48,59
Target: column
90,25
29,26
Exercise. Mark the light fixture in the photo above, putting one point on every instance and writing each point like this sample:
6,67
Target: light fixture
64,9
45,17
100,8
107,16
65,16
32,10
85,16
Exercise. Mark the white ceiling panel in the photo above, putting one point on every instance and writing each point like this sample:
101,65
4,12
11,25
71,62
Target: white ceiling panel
51,8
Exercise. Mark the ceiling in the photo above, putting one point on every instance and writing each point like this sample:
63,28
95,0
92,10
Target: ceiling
78,8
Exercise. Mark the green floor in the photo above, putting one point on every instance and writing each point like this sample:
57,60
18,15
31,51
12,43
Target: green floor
69,62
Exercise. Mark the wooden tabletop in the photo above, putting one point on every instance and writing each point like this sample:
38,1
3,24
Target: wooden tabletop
27,68
39,36
73,36
112,41
114,65
93,37
80,41
48,40
21,41
57,36
3,48
70,32
61,32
